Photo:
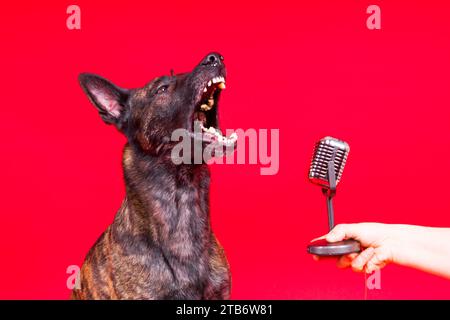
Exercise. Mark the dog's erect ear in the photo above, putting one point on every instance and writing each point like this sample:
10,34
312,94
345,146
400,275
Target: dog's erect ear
109,99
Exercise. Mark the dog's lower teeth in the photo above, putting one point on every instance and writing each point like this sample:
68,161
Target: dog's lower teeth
225,140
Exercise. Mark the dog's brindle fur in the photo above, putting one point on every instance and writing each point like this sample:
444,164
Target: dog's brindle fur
160,244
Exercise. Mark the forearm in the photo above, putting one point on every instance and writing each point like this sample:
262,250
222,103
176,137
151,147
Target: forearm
423,248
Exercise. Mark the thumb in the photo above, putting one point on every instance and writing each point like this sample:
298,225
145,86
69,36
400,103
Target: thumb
341,232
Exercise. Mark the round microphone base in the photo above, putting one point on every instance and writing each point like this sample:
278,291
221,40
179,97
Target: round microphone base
324,248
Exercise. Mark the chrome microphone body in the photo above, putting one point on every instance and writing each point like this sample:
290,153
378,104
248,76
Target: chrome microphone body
328,149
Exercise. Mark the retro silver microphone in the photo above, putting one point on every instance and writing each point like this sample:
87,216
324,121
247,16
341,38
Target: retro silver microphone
327,165
328,149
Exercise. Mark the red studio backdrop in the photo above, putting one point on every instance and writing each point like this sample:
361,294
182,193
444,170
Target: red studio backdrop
307,68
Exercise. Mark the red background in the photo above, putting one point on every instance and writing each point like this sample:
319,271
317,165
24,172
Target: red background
309,68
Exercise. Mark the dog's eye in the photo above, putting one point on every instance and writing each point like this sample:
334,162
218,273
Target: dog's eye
162,89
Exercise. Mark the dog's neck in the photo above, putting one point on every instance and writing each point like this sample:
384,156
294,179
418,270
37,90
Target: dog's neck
166,202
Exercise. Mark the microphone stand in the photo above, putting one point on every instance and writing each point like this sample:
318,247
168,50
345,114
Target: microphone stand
331,191
324,248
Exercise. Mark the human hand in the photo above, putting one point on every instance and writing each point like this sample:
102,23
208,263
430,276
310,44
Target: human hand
379,242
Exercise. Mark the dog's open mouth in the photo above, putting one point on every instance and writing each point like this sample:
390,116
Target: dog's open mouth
206,113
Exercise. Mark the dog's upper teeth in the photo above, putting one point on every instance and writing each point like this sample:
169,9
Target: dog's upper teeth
219,80
204,90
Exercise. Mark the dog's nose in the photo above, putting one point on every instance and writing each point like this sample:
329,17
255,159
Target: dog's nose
214,59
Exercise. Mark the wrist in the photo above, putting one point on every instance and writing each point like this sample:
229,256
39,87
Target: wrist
404,246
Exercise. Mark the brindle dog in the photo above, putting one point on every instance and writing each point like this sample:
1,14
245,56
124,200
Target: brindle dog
160,244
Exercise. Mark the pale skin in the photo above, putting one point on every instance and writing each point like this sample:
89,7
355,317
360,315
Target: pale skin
423,248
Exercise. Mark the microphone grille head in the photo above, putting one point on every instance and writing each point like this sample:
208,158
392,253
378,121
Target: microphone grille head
323,153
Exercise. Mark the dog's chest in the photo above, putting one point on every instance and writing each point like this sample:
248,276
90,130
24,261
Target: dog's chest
175,262
186,253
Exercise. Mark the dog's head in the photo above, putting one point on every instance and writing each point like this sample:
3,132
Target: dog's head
149,115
